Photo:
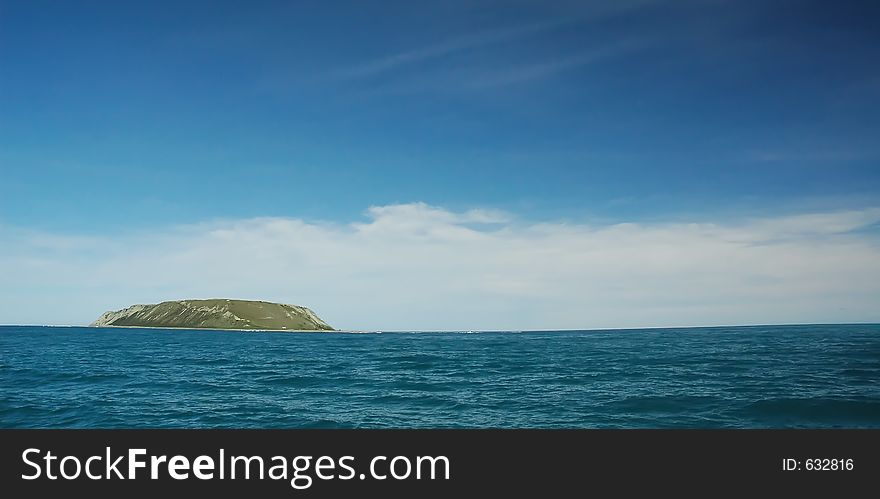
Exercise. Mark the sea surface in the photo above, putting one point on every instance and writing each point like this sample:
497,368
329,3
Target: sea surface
757,377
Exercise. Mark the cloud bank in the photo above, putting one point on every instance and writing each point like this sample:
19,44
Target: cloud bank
419,267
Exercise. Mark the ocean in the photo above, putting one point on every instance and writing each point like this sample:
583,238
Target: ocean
813,376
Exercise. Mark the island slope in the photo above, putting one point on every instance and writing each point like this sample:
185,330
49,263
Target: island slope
216,314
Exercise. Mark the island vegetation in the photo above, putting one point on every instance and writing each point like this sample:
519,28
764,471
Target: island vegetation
216,314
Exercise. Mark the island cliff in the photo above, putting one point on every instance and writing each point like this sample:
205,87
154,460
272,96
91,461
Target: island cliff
216,314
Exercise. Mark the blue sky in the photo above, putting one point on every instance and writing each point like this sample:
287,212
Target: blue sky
120,117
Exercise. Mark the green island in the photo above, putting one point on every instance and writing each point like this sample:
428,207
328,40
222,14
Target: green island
215,314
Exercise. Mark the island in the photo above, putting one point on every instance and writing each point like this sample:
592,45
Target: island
215,314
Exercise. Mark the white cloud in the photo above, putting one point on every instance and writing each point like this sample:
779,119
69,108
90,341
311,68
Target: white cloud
415,266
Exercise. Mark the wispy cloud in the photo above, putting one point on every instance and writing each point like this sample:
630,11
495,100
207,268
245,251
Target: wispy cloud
423,267
446,47
433,60
494,74
494,77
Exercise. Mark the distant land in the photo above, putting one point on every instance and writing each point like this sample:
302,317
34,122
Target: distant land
216,314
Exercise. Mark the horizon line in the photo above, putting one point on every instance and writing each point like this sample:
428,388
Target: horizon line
375,331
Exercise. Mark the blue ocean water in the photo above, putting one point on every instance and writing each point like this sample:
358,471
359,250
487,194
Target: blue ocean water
767,376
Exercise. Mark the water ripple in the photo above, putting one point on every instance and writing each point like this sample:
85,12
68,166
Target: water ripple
791,376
